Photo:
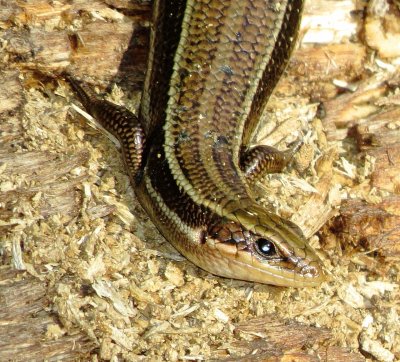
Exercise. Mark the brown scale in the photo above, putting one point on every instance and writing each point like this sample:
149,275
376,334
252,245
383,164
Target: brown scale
231,233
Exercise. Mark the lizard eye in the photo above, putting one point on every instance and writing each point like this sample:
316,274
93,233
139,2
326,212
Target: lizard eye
265,247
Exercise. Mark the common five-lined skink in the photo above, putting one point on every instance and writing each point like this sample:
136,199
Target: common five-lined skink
211,69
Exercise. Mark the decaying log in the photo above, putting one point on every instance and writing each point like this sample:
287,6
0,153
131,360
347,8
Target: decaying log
93,287
374,227
369,117
30,330
279,341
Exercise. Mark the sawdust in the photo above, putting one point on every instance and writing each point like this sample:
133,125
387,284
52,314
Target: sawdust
117,279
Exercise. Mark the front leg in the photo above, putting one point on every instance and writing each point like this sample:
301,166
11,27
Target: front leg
260,160
120,122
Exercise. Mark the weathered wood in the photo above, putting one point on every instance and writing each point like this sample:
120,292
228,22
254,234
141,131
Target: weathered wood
67,212
375,227
379,137
99,49
30,330
312,70
368,117
272,340
33,175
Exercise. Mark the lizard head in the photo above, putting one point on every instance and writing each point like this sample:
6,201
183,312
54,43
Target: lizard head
263,248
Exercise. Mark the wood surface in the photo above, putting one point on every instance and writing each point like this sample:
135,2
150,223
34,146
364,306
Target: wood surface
51,181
